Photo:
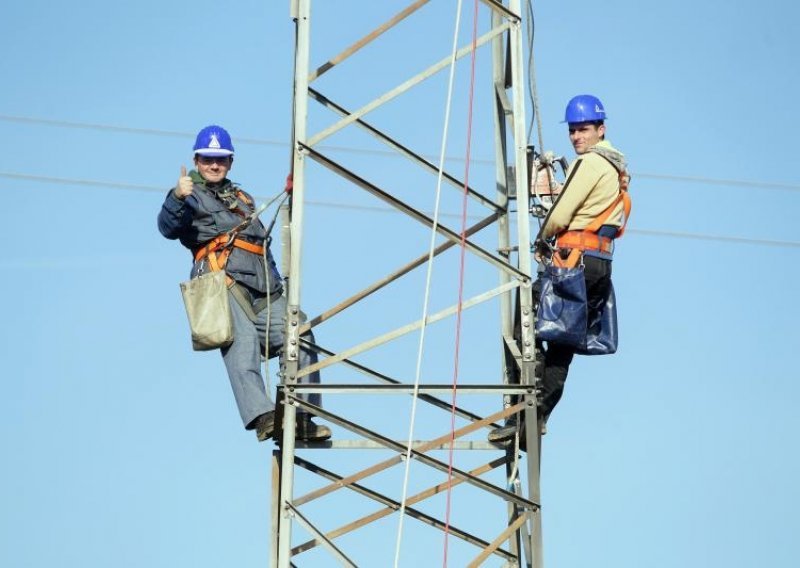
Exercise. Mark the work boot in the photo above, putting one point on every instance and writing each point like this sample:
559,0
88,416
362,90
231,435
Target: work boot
503,434
265,426
307,431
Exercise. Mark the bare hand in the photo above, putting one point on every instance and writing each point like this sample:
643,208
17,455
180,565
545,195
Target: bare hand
185,185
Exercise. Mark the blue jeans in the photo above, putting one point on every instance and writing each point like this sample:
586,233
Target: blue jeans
243,357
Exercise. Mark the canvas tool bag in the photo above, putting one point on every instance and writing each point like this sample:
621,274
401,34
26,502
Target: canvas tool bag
208,310
562,312
601,327
564,315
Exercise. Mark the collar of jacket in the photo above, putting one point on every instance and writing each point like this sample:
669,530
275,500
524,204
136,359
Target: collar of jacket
200,180
605,149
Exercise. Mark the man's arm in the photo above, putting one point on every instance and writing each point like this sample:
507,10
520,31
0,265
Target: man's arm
580,181
175,215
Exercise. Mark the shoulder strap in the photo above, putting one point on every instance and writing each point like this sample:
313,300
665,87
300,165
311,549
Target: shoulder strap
623,197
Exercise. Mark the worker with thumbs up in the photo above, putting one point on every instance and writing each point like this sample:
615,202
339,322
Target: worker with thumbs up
213,218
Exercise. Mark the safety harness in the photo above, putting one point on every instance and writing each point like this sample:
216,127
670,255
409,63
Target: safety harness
217,250
570,245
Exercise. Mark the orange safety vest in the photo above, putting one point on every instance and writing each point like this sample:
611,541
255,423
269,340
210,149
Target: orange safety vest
587,239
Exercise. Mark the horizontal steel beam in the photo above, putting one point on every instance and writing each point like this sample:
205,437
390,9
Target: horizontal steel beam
306,388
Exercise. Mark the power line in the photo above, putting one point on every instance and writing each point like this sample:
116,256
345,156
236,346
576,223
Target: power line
126,129
786,186
87,182
378,209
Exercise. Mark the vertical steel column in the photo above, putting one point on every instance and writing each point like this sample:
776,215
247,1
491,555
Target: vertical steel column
527,317
504,237
275,509
301,13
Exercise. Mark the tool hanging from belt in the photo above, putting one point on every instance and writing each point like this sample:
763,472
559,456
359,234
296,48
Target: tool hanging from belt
575,243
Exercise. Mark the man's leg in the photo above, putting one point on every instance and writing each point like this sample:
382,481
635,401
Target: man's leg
597,273
243,361
306,429
557,359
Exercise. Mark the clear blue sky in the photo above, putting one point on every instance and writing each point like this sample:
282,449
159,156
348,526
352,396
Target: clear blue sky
121,447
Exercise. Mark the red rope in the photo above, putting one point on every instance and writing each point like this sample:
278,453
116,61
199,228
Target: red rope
461,272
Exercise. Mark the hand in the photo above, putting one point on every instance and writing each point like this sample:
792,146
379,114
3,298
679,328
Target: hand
185,186
544,182
541,250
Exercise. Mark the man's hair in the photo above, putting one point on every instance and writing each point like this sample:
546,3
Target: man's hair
598,124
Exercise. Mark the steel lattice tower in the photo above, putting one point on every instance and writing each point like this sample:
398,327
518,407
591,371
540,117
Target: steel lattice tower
507,486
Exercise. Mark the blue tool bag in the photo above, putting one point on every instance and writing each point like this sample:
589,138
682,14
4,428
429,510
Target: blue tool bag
601,331
564,316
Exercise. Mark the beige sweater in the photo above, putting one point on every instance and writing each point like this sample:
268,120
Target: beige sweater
592,185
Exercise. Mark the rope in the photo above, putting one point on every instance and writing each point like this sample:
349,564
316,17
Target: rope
461,272
532,93
283,195
428,278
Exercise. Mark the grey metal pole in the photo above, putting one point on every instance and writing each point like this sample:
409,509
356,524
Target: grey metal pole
301,12
527,317
504,240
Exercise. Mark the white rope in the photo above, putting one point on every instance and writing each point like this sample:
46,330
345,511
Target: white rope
282,196
427,287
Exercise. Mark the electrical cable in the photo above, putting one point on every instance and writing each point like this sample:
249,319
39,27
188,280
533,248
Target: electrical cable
787,186
428,278
461,273
387,210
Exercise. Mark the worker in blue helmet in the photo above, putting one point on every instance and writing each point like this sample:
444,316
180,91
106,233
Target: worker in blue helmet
580,228
201,211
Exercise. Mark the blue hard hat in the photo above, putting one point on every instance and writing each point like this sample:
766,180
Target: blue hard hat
213,141
584,108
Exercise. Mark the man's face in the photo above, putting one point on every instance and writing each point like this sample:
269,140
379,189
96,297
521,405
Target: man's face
584,135
213,169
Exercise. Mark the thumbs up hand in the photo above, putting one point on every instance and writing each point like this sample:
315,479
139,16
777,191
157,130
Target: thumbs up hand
185,186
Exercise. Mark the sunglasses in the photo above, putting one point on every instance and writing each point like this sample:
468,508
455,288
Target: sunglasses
208,160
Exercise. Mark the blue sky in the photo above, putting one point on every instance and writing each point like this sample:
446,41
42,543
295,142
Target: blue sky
122,447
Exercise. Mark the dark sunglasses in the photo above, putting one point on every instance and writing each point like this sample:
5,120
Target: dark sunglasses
208,160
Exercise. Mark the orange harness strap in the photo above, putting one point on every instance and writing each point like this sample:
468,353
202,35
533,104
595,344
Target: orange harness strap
217,261
588,239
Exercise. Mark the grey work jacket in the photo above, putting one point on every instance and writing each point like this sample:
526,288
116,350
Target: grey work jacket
203,215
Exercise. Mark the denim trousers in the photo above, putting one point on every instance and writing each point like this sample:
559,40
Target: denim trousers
243,357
